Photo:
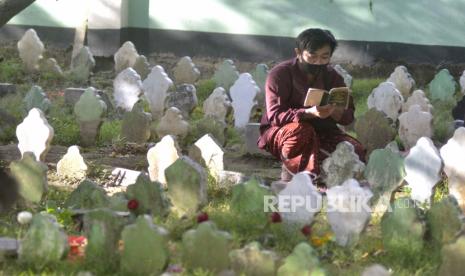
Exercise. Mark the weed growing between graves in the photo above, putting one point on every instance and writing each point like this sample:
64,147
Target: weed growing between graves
204,89
110,133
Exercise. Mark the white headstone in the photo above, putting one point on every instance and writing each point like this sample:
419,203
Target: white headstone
418,97
127,88
462,82
161,156
344,74
342,164
376,270
423,166
413,125
155,88
207,151
72,164
243,94
387,99
299,201
453,155
185,71
217,105
30,50
125,57
34,134
172,124
402,80
348,211
226,74
259,75
83,64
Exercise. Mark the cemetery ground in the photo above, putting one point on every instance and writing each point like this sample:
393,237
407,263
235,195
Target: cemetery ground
113,151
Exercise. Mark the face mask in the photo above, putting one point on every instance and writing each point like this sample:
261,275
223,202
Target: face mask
314,69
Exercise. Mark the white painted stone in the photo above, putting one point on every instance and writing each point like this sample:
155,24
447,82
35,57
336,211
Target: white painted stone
423,166
172,124
127,89
72,164
125,57
462,83
376,270
348,211
126,176
418,97
243,94
402,80
344,74
302,190
342,164
161,156
217,105
34,134
226,74
186,71
155,87
413,125
387,99
453,155
208,152
30,50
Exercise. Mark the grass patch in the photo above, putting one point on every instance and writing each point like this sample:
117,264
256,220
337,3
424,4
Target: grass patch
110,131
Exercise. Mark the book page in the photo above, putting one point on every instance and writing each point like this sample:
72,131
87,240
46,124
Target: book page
314,97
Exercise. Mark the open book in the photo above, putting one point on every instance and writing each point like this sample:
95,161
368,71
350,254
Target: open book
319,97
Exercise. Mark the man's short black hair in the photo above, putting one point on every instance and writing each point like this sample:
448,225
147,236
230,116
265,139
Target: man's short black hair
313,39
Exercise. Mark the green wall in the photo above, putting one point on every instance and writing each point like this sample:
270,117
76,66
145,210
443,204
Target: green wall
426,22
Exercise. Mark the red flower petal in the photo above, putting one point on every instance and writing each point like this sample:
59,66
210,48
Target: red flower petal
202,217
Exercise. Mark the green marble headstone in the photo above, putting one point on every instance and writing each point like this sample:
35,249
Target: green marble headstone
88,195
247,199
253,261
401,228
206,248
31,176
302,261
102,228
136,124
226,74
149,195
89,107
145,248
187,185
37,98
442,87
82,65
44,243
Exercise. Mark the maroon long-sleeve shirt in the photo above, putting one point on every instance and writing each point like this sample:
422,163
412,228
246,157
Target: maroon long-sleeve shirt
285,90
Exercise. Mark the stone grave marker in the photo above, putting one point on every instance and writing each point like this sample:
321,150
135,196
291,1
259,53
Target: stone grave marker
72,164
149,195
418,97
387,99
145,248
348,211
7,88
185,71
423,166
444,220
51,66
344,74
161,156
253,260
184,98
226,74
187,185
252,132
88,195
376,270
127,176
155,87
248,199
136,124
209,153
8,248
30,49
453,257
413,125
31,176
217,105
89,111
82,64
442,87
462,82
199,243
341,165
259,75
243,94
374,130
142,67
302,261
127,89
172,124
125,57
34,134
36,98
44,244
402,80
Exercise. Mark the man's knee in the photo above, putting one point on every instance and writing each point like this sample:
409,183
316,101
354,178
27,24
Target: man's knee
298,139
